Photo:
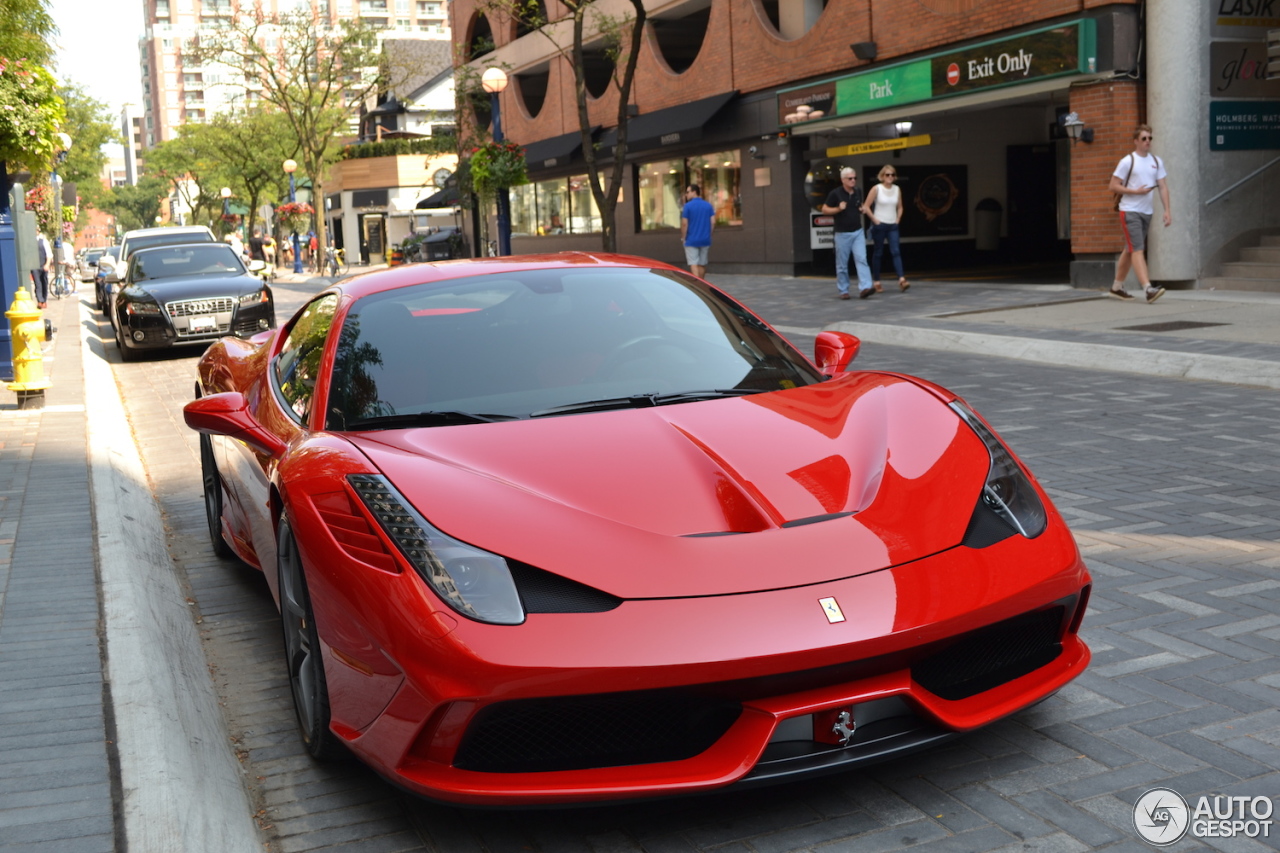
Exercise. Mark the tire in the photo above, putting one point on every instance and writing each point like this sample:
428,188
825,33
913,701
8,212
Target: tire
212,481
303,658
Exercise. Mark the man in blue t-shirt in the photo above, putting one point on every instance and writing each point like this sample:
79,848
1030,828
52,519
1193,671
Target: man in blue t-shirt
697,220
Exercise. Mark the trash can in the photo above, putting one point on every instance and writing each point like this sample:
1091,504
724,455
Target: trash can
986,224
445,245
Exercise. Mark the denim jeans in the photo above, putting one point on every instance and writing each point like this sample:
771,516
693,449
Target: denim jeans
854,242
878,235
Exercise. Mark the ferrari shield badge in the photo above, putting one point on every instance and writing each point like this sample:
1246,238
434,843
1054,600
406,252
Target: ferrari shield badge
831,608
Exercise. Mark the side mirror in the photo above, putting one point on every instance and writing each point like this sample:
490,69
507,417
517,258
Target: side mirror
833,351
228,414
112,278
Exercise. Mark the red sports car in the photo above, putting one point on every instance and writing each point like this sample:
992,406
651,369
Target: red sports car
577,527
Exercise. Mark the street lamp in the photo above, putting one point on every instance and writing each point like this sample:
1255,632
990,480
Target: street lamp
493,81
291,166
225,192
55,183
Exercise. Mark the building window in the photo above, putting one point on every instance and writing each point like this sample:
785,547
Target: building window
557,206
402,7
660,190
660,193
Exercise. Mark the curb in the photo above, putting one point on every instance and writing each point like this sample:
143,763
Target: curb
1142,361
182,786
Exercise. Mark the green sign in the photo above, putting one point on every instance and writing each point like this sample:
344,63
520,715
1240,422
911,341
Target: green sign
884,87
1038,55
1244,125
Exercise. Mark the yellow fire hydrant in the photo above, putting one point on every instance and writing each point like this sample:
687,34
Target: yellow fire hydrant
26,332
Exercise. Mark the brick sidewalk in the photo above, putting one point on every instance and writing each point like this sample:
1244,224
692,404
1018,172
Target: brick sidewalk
55,752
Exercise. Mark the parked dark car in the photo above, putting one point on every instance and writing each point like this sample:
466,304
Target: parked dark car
101,288
188,294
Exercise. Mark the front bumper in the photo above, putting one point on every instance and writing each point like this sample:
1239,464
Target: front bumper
779,668
154,331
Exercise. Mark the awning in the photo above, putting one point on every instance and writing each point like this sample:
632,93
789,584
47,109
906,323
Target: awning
677,125
554,152
447,197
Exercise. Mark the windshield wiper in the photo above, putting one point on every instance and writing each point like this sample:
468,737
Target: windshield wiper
643,401
424,419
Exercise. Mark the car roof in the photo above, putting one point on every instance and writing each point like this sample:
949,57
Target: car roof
167,229
411,274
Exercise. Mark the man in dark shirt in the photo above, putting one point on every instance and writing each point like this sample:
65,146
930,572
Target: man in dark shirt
844,203
256,252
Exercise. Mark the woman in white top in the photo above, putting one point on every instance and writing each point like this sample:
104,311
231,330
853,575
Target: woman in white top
884,206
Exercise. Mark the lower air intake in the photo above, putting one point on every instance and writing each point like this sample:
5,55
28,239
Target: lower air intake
991,656
582,732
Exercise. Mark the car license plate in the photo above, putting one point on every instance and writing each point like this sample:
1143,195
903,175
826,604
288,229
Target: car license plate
202,324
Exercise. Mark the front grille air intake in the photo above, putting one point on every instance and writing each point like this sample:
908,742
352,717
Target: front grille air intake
992,656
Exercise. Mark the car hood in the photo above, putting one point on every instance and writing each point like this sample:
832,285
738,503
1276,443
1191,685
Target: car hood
193,287
762,492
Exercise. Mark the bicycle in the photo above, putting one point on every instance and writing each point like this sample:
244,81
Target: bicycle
60,286
336,261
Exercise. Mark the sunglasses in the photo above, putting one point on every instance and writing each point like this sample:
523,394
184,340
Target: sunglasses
1145,138
891,174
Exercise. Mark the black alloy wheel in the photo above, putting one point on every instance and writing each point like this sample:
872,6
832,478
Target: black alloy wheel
213,499
302,650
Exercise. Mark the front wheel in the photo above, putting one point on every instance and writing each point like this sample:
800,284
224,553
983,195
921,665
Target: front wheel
302,650
213,499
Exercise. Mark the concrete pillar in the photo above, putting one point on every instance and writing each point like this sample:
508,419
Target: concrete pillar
797,17
1176,42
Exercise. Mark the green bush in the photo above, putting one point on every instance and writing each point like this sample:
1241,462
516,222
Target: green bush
391,147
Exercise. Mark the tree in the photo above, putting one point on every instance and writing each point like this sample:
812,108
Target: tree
31,114
26,30
135,206
90,125
251,148
621,38
189,170
316,74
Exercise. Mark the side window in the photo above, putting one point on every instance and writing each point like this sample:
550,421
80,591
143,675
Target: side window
297,367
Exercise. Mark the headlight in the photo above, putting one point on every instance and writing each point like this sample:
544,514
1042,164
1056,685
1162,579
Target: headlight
1007,492
150,308
473,582
256,296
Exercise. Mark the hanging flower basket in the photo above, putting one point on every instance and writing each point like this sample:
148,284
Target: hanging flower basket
30,113
497,166
295,216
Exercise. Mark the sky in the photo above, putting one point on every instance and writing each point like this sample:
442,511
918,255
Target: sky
97,47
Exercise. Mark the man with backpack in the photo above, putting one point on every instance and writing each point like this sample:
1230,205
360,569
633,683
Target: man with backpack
1133,181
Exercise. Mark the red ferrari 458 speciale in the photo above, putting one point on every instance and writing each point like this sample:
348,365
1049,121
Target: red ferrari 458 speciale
577,527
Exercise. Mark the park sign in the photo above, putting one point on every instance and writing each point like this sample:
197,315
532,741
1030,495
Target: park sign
1038,55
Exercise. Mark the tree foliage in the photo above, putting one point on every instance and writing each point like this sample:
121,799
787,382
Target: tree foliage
31,113
315,74
27,30
90,125
135,206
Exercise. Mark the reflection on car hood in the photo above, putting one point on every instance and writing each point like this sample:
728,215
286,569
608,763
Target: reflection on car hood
195,287
762,492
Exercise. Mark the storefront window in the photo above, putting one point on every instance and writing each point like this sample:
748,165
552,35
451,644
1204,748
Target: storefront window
661,189
585,215
660,194
720,177
559,206
524,210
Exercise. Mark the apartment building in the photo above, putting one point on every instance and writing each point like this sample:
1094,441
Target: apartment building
177,90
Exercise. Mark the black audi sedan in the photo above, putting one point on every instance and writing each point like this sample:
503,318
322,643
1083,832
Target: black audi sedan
191,293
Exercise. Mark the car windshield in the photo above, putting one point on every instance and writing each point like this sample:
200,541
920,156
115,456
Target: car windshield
549,342
137,244
168,262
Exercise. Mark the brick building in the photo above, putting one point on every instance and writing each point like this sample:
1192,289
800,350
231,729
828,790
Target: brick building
761,101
